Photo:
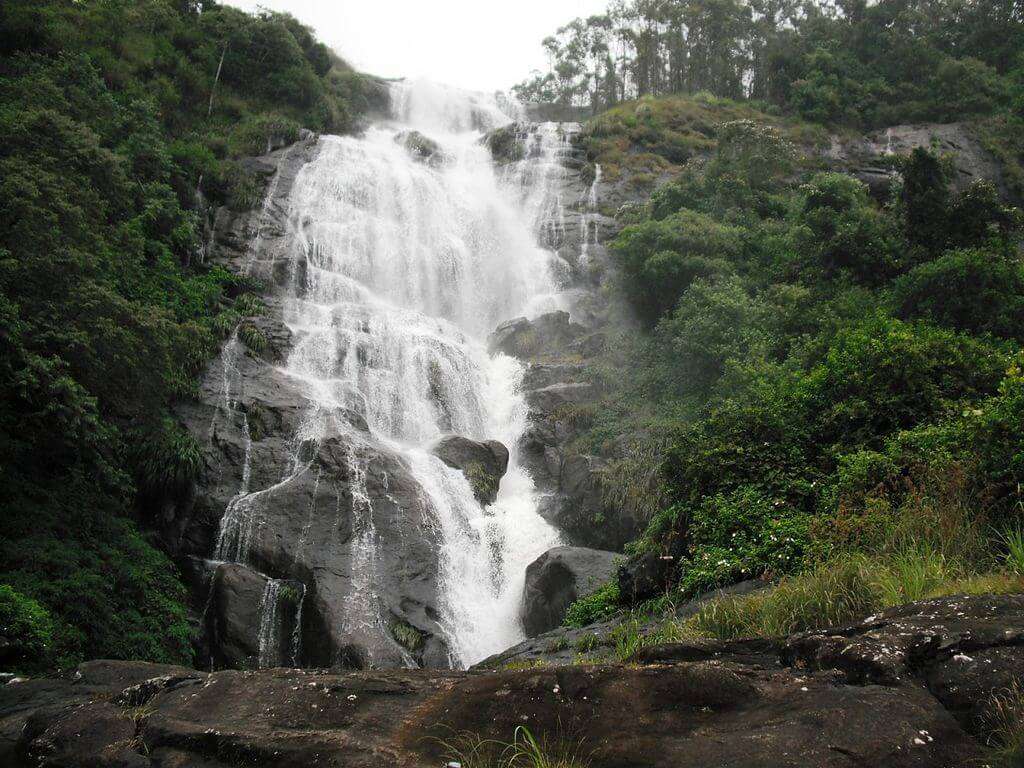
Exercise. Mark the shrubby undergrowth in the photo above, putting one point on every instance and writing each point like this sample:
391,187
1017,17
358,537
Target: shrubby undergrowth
822,366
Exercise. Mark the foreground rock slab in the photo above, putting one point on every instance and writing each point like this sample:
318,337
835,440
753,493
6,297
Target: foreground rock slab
789,703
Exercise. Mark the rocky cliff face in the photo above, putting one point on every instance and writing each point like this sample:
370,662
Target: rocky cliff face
315,535
868,157
281,576
905,688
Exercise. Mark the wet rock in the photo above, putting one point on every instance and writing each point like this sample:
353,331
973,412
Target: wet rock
557,579
250,621
350,515
254,242
647,575
549,399
422,148
580,505
483,463
544,335
540,375
233,615
270,336
932,637
507,143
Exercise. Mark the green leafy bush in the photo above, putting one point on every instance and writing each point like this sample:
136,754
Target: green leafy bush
26,631
595,607
661,258
974,290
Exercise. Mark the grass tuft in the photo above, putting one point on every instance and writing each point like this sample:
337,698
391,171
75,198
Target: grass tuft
1005,725
469,750
1013,541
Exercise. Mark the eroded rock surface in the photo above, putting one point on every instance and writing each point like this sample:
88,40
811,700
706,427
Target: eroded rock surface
749,704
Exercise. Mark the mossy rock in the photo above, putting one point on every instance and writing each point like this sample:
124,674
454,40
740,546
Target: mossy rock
407,636
504,144
484,483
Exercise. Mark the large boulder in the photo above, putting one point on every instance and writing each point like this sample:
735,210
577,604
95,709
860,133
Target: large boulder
483,463
251,619
549,399
558,578
349,516
579,504
543,336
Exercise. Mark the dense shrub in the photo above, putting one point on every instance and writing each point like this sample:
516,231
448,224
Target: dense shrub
715,322
660,258
973,290
842,234
801,418
26,631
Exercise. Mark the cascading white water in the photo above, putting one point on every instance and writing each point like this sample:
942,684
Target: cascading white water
270,630
408,265
589,227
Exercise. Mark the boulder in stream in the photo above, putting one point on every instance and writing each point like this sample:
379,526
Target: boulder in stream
483,463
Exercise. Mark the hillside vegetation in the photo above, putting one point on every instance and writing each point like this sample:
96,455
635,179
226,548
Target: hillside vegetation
122,122
828,376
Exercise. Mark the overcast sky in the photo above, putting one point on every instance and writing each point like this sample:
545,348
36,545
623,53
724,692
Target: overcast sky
478,44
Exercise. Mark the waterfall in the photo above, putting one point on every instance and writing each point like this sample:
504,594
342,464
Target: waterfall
589,228
269,636
403,267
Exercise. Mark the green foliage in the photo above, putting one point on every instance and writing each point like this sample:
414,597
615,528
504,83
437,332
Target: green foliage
842,234
252,337
1004,724
816,360
974,290
924,197
883,375
484,483
740,535
110,593
825,597
26,631
114,115
715,323
407,636
867,65
660,259
597,606
164,459
261,133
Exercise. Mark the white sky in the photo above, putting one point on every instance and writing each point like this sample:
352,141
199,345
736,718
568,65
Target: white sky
482,45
